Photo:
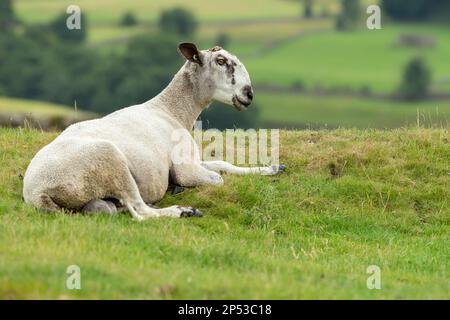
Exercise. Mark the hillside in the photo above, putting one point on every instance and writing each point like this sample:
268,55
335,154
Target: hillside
110,11
306,74
361,58
310,111
350,199
44,115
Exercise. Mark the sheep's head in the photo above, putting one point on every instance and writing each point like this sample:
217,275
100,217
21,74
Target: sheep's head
222,72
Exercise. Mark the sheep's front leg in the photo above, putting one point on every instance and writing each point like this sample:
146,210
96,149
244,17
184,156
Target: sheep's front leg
192,175
225,167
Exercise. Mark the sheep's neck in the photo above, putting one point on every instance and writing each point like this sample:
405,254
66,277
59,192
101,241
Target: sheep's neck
183,99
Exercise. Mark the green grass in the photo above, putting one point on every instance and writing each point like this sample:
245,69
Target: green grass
39,111
36,114
105,34
306,111
309,51
350,199
270,18
354,59
13,105
110,11
276,44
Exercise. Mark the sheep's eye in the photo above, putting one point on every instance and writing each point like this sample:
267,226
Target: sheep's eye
221,62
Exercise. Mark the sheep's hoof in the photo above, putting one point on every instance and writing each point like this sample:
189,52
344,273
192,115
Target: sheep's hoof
279,169
177,189
191,212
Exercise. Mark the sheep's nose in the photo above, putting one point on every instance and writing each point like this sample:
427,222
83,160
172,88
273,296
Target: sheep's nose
248,92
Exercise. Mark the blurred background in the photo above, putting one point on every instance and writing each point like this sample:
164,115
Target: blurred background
313,63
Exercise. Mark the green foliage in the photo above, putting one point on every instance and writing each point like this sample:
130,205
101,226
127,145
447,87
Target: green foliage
22,74
349,199
222,117
223,40
351,59
67,71
48,75
59,27
146,67
128,19
7,16
416,9
349,16
308,10
104,85
178,21
416,80
305,111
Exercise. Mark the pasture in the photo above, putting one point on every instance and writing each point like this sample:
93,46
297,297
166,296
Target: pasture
277,45
38,108
349,199
110,11
290,110
44,115
357,59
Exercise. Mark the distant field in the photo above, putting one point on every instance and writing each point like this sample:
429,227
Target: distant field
110,11
12,105
355,59
244,20
304,111
287,52
42,115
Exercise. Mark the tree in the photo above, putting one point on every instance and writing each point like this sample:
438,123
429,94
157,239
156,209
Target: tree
416,80
7,16
60,29
407,9
308,11
220,116
416,10
27,66
223,40
349,16
128,20
178,21
142,71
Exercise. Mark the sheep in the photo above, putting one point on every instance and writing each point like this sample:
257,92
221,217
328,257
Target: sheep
124,159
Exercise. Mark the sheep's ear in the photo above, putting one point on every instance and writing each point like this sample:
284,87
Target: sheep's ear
190,52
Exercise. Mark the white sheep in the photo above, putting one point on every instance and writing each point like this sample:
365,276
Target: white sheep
124,158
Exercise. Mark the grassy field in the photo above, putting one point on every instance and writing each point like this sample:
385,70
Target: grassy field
43,115
356,59
110,11
289,52
12,105
271,18
308,111
276,44
350,199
